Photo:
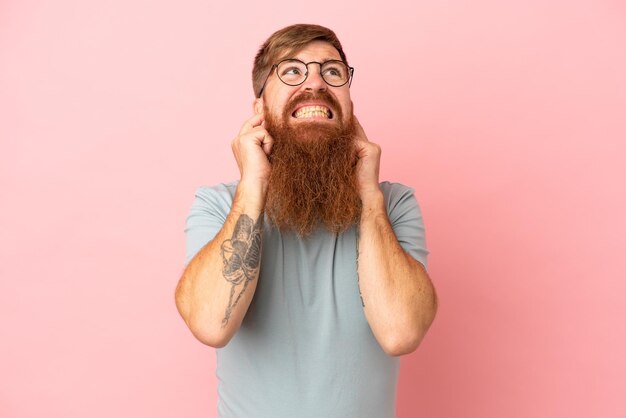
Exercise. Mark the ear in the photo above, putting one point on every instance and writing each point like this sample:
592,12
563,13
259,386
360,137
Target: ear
257,106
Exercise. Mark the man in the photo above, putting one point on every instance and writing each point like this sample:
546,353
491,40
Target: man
307,274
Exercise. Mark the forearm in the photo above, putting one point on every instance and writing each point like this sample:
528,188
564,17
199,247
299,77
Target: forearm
217,286
398,297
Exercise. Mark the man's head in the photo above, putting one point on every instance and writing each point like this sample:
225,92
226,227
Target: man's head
320,50
308,111
288,41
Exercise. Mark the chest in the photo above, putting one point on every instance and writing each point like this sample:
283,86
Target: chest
310,282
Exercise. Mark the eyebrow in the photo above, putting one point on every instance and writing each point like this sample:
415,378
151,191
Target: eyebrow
323,60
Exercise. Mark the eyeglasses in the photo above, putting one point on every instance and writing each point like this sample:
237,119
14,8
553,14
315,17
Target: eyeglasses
294,72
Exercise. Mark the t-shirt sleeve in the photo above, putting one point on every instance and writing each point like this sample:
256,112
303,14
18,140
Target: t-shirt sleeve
207,215
406,220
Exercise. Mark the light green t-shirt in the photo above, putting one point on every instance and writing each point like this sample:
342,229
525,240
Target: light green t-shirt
305,349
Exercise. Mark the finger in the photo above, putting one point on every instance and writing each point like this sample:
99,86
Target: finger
252,123
260,137
361,149
256,135
267,143
360,132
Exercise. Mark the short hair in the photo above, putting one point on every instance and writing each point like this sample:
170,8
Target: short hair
287,41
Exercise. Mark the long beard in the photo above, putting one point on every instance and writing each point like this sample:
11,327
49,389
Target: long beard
313,177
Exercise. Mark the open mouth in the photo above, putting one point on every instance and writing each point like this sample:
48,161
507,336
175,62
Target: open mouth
313,112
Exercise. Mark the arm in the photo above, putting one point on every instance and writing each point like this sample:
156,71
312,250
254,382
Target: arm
217,286
398,296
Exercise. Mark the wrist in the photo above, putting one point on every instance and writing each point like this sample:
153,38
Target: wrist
372,202
371,195
250,198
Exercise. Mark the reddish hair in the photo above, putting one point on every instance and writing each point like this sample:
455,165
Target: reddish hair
287,41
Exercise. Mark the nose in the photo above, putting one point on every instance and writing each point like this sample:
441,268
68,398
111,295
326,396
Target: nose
314,80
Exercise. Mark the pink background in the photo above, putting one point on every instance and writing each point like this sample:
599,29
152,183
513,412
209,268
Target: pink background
508,118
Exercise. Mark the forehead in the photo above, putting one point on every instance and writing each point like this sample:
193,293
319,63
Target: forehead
315,51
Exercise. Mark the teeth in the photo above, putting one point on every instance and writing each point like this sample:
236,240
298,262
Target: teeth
313,111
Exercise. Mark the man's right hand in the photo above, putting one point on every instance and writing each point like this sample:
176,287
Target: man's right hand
218,284
251,149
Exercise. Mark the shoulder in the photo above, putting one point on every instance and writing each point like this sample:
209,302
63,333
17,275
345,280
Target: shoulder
212,201
396,193
400,202
221,194
406,219
392,189
220,189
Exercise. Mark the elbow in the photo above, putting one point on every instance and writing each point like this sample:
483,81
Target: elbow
407,335
400,345
213,335
405,340
204,329
214,340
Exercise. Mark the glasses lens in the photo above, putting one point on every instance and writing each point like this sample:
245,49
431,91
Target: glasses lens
335,73
291,72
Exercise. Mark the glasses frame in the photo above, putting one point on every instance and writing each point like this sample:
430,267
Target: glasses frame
306,64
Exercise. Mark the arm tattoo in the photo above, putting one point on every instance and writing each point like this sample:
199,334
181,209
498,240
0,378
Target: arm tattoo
358,278
242,258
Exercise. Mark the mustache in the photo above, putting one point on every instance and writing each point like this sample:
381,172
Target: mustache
322,96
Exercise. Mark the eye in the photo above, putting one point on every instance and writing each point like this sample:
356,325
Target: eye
291,70
334,70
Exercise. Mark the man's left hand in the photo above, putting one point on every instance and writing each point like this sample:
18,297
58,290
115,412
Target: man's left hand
368,164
